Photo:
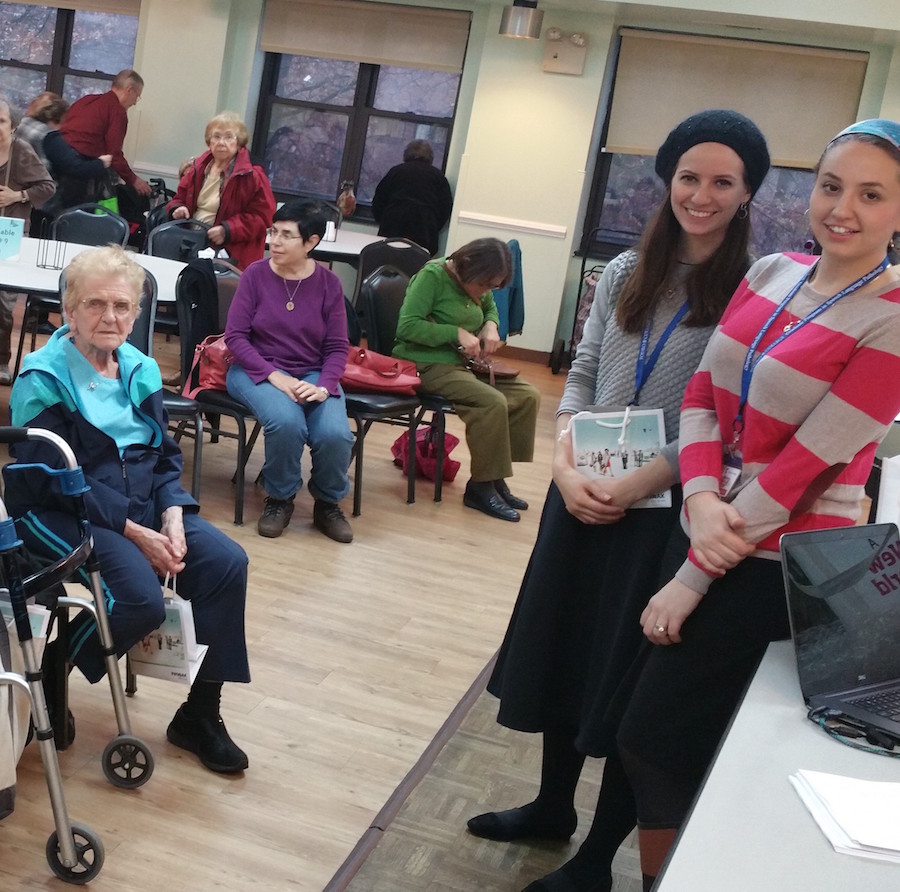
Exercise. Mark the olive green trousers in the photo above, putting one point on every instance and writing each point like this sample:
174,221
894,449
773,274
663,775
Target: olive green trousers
500,420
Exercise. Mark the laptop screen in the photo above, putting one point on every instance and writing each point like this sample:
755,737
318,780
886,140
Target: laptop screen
843,594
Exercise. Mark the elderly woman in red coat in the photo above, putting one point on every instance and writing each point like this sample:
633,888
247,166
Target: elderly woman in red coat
225,189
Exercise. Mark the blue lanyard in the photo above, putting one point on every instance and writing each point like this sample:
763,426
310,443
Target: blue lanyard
646,365
750,363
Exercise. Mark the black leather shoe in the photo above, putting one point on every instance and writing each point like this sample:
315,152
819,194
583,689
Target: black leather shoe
483,497
508,497
208,740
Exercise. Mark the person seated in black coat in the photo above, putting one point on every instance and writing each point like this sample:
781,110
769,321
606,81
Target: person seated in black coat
413,199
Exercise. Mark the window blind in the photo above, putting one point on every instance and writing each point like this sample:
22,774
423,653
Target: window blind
798,96
377,33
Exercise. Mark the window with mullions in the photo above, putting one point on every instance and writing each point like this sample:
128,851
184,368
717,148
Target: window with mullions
69,51
323,121
628,191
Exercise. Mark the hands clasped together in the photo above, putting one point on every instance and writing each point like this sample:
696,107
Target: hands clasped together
718,544
165,550
299,391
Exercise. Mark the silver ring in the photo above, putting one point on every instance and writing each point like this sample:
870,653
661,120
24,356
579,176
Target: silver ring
660,629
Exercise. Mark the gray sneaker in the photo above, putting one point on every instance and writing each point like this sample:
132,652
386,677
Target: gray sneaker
275,517
329,519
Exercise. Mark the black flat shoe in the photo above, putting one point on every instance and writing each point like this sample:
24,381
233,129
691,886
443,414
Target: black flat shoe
483,497
508,497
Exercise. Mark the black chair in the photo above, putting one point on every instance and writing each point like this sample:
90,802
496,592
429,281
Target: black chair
83,224
165,317
400,253
178,240
201,300
366,408
90,224
383,292
180,409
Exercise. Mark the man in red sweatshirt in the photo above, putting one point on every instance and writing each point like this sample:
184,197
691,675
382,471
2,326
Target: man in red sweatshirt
95,125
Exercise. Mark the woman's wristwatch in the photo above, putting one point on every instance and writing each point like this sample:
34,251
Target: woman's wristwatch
325,392
23,197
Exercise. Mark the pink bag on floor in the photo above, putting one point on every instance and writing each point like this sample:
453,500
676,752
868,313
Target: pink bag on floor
426,454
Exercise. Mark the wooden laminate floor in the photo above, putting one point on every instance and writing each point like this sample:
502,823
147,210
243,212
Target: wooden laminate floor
358,653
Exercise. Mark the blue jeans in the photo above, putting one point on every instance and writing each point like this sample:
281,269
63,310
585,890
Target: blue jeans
288,427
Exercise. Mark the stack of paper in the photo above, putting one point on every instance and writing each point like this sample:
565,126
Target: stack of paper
858,817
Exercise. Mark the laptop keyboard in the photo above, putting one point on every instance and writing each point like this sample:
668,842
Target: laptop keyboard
885,704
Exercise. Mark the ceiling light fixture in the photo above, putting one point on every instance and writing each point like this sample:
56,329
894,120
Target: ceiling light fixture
522,19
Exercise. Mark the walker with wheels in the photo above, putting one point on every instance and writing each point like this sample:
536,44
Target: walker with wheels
127,760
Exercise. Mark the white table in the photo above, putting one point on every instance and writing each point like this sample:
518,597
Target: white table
748,830
346,246
23,274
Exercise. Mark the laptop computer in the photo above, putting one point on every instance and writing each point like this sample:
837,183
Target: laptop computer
843,597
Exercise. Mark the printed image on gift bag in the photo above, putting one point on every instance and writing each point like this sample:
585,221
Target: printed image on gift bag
170,652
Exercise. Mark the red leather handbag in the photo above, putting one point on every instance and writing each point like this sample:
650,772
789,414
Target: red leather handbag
209,368
370,372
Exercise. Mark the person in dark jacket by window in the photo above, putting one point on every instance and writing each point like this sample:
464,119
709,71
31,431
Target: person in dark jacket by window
413,199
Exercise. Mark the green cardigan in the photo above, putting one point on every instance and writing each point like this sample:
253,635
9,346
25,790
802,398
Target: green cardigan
434,307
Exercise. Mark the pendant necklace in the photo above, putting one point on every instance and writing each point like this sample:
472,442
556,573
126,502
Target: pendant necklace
291,294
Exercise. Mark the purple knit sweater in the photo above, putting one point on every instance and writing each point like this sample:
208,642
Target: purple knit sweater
264,335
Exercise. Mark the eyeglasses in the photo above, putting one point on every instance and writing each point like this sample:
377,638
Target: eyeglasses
273,233
96,306
222,137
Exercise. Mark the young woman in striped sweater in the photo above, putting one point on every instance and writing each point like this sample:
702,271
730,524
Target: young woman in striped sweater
779,427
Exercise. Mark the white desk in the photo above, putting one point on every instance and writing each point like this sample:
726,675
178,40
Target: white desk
748,830
24,274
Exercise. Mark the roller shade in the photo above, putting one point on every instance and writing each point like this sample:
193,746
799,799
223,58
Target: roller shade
377,33
122,7
798,96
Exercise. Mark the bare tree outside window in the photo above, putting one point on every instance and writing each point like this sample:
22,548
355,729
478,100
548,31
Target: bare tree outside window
72,52
633,191
103,42
27,33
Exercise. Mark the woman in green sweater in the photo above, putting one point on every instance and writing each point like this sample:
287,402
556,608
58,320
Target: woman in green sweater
447,318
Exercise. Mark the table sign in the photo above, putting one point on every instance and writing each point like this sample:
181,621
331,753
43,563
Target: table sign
11,232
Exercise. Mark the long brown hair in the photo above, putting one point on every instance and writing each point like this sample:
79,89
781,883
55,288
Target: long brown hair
709,285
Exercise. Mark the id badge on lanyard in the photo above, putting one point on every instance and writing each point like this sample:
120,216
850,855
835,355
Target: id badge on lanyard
732,460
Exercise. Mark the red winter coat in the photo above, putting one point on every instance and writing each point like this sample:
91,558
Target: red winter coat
245,208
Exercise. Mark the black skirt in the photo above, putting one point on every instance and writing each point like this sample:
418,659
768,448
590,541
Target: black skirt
574,631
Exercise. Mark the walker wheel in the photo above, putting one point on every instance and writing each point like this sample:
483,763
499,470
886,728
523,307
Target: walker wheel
88,851
127,762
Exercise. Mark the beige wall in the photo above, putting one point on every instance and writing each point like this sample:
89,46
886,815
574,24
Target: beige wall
524,142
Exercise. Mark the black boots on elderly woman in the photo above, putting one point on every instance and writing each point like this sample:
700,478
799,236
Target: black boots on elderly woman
483,496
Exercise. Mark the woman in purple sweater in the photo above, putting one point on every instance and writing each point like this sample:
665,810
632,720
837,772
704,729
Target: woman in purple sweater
287,329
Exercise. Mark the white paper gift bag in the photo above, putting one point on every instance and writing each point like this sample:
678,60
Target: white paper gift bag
170,652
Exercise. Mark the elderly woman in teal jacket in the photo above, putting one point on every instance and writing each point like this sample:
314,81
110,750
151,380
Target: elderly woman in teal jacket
104,398
449,317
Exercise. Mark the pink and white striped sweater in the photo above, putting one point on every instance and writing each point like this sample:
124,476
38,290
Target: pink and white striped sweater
819,404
